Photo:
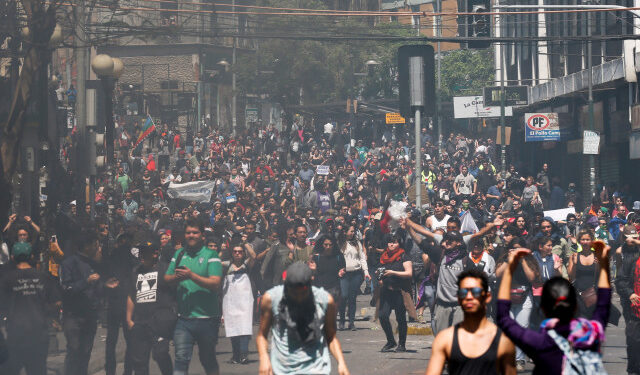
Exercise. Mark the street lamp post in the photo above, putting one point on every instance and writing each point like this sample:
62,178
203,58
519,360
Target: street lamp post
108,69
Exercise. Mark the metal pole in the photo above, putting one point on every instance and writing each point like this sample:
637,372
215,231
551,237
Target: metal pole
439,76
81,102
234,111
591,158
108,84
199,84
418,178
503,146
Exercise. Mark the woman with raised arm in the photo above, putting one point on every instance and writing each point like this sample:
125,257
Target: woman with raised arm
559,305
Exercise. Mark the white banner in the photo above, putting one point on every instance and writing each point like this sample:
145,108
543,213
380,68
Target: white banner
322,170
590,143
196,191
473,107
561,214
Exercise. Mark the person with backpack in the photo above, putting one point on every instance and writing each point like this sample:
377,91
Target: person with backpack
565,345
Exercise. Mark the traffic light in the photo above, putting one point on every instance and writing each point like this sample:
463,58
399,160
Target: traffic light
407,73
479,23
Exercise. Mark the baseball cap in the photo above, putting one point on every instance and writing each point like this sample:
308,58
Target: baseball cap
21,248
298,273
148,246
630,231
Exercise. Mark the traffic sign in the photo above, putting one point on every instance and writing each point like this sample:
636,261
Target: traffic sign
251,114
394,118
541,127
513,95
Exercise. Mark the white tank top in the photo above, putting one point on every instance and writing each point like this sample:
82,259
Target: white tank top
437,224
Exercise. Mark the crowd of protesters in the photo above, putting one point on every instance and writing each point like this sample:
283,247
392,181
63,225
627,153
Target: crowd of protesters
167,269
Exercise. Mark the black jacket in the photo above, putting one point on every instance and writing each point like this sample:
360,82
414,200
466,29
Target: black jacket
79,297
624,280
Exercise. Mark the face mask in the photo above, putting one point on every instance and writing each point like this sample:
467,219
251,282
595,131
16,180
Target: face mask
465,206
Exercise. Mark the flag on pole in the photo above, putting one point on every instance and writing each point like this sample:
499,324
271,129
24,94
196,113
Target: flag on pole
147,129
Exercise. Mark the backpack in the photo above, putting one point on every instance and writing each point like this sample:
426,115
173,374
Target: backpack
576,361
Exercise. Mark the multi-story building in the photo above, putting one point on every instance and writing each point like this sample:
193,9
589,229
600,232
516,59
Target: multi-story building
426,25
177,59
556,70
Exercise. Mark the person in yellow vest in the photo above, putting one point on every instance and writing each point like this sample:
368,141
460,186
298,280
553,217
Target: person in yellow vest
429,179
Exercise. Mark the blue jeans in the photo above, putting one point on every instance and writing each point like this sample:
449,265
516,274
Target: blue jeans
204,332
240,346
522,315
349,287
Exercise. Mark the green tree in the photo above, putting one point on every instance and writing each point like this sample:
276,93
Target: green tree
466,72
323,70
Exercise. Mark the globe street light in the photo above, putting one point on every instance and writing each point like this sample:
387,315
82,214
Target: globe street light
108,69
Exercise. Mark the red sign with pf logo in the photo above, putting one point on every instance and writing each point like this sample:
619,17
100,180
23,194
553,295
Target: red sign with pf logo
538,122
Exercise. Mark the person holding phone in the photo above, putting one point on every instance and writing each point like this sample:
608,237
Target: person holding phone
196,271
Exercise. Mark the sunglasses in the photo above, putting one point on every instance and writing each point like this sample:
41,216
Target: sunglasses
476,292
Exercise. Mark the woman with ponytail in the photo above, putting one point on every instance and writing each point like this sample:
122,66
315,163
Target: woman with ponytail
559,305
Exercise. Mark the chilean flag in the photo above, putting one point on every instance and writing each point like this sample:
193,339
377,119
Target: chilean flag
147,129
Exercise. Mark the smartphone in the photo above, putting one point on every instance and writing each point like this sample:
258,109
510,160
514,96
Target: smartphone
181,268
54,238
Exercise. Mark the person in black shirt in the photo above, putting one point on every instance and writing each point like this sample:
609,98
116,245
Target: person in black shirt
118,263
328,266
82,289
398,271
488,352
28,298
151,313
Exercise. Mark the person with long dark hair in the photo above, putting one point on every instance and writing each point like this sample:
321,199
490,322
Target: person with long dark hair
583,271
355,270
328,265
550,347
395,278
523,282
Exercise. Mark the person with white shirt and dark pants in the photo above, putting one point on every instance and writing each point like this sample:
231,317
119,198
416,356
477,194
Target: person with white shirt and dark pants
356,268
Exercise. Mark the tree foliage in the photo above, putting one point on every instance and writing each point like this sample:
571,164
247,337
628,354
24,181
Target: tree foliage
466,72
324,71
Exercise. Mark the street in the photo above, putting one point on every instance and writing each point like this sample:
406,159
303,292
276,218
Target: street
361,349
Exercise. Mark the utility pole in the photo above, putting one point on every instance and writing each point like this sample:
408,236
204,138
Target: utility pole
438,74
503,141
591,157
234,120
416,88
80,50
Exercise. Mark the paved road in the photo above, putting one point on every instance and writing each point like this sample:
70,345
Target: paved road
361,348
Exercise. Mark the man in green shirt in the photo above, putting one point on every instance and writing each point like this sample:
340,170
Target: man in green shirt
123,179
197,272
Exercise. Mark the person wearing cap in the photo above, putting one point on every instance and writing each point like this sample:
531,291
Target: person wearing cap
628,287
302,321
196,271
151,314
28,298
